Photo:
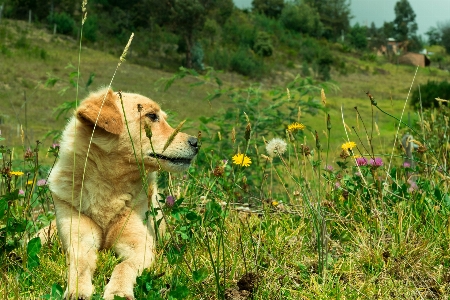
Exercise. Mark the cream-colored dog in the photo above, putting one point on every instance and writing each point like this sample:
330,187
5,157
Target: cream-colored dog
102,202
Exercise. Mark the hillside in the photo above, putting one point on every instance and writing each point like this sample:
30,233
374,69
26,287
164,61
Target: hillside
30,56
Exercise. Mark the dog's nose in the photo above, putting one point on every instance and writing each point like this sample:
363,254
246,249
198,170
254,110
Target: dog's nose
193,142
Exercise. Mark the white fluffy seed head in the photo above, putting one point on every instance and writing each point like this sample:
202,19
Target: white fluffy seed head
276,146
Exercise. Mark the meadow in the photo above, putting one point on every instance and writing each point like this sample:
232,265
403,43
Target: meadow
295,194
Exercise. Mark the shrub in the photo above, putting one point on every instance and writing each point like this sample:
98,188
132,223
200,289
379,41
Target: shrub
219,59
245,63
263,46
428,92
64,22
302,18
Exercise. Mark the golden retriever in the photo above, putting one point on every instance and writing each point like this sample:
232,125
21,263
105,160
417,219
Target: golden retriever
99,189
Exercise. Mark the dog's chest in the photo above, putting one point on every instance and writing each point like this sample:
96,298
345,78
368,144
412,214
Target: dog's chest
103,210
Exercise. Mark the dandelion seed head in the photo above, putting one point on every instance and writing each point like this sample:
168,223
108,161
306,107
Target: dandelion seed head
276,146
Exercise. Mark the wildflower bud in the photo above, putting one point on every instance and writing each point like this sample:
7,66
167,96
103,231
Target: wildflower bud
148,131
372,100
248,130
139,107
318,145
344,154
328,122
233,135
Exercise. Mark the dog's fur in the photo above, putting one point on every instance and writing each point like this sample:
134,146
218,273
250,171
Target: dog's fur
102,203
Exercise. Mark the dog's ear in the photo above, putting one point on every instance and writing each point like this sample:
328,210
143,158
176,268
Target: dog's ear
110,118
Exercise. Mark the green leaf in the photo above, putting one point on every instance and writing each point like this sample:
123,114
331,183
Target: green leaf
33,248
200,274
3,207
179,292
57,292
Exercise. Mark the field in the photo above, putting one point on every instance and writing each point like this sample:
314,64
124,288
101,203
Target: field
313,216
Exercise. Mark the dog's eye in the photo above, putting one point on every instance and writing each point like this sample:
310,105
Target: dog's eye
153,117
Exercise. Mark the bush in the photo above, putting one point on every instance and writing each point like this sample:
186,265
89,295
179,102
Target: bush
428,92
263,45
64,22
219,59
302,18
245,63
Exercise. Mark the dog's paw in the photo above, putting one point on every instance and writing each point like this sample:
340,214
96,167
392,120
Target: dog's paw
84,294
111,291
123,295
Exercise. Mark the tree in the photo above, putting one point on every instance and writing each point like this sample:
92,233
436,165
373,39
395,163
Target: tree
302,18
445,36
335,15
405,25
186,18
434,36
358,36
271,8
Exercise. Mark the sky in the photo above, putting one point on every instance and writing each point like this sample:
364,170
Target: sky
428,12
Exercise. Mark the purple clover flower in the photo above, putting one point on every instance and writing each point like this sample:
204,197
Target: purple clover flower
406,165
376,162
170,201
337,185
329,168
412,186
41,182
21,192
361,161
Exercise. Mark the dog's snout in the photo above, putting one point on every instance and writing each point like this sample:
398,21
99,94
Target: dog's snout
193,142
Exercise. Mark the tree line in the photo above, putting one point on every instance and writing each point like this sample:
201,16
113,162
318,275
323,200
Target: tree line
216,33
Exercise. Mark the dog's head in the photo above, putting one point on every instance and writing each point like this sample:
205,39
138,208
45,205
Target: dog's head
120,128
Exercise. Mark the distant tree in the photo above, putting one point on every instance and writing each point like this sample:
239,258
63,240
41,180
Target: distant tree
271,8
358,36
335,15
186,18
445,36
434,36
302,18
388,29
405,25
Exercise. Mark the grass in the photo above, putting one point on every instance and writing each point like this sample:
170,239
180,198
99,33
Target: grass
291,228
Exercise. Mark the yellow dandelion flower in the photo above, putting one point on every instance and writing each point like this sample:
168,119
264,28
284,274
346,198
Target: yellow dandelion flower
275,203
29,182
348,146
296,126
16,173
242,160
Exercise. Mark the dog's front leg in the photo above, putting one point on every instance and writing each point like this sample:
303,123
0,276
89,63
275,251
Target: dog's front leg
134,243
81,239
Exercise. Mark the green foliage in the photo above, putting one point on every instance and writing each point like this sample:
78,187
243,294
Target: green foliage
334,15
65,24
445,37
246,63
358,36
405,25
270,8
263,46
425,94
302,18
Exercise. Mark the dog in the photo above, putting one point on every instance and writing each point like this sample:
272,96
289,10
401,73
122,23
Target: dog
100,198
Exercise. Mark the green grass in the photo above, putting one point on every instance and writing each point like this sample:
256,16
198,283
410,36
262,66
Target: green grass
284,219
